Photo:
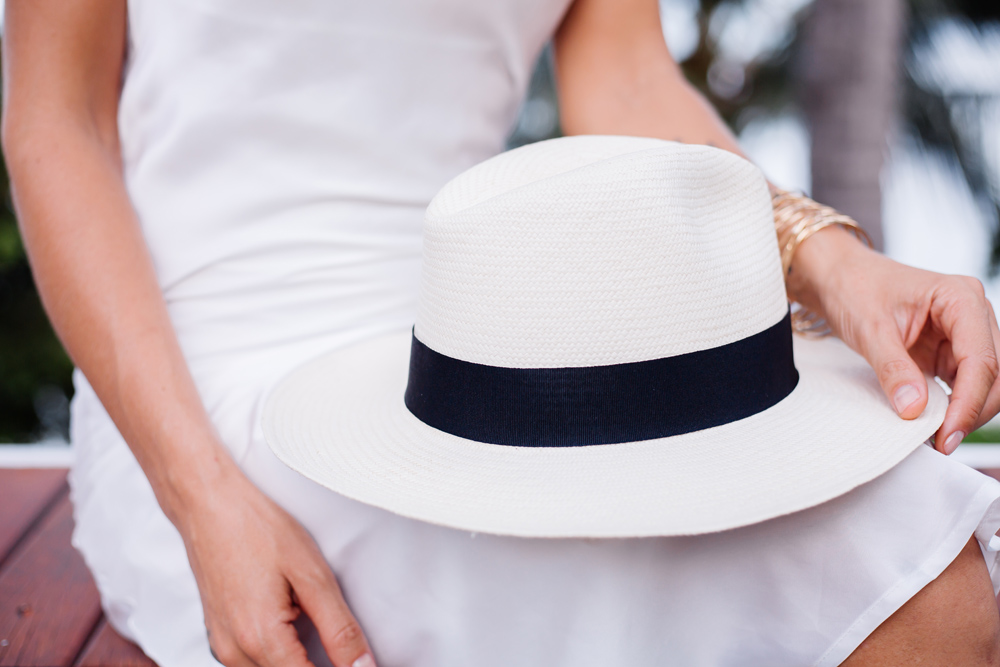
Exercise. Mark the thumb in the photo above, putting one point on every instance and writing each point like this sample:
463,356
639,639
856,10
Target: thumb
901,379
322,601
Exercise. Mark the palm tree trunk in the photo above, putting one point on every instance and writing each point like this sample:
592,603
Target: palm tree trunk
850,75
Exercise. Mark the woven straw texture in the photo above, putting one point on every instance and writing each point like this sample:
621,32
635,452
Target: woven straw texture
340,421
590,251
599,250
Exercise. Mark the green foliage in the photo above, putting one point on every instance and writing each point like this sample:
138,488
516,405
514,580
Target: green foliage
11,250
34,369
768,80
988,434
942,122
946,122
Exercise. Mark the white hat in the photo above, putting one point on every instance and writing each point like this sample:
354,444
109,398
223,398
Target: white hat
602,349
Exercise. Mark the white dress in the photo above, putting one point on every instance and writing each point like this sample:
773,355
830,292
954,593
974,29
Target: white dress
279,154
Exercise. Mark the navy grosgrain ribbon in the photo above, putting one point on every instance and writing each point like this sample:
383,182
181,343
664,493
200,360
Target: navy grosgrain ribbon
597,405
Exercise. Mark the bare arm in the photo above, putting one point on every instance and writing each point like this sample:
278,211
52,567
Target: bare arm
62,71
616,76
90,261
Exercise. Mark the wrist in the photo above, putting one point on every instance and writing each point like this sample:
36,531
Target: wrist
815,264
192,476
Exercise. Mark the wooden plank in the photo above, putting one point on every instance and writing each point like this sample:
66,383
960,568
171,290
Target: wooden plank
107,648
48,603
24,494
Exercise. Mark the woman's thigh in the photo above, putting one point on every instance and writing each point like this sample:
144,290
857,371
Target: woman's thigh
802,589
778,593
952,621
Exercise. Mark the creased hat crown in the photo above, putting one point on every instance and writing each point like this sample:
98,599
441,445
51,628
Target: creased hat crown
594,250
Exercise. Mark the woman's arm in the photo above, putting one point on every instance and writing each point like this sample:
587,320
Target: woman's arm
62,69
616,76
62,78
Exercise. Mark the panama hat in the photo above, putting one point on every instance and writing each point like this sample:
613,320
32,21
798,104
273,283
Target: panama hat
602,348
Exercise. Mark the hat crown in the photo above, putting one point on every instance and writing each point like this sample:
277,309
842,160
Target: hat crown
588,251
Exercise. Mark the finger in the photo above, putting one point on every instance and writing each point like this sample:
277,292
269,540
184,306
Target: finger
992,406
975,354
901,379
321,599
227,652
281,648
945,366
272,642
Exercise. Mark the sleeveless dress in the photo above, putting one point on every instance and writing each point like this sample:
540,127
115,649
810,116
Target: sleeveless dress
279,155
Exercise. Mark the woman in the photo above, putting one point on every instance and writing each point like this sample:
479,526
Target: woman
213,192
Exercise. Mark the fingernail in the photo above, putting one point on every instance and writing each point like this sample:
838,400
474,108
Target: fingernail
953,441
364,661
905,396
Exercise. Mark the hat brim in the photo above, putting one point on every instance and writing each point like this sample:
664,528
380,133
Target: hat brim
340,421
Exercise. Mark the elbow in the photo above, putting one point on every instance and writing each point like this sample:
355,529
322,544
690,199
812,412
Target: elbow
23,136
34,137
12,139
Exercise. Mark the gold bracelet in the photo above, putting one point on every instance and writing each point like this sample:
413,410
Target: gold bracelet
796,218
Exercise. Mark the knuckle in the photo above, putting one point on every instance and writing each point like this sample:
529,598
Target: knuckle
286,653
987,360
967,413
975,285
249,642
969,418
348,635
225,652
892,369
316,574
991,363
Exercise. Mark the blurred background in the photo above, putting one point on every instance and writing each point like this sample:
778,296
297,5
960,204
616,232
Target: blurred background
888,110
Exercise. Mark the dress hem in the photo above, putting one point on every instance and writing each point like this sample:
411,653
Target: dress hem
982,515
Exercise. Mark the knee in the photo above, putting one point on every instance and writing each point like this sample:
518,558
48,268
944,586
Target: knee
969,602
953,621
983,625
982,637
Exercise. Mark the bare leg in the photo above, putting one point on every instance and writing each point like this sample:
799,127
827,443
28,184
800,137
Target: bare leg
952,622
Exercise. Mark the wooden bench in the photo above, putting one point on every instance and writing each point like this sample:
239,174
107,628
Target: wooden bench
50,614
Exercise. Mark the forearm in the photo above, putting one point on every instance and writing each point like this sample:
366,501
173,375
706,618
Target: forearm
616,76
675,112
96,280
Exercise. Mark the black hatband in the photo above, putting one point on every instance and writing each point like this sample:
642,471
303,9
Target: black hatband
596,405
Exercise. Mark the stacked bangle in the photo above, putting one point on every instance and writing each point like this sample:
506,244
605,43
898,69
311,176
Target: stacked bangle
796,218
